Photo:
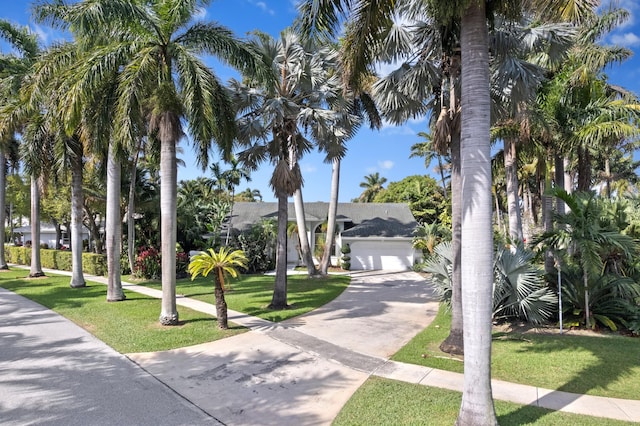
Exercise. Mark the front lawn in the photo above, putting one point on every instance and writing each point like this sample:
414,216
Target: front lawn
388,402
606,365
252,294
128,326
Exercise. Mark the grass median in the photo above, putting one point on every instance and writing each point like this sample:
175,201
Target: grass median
577,362
132,325
388,402
251,294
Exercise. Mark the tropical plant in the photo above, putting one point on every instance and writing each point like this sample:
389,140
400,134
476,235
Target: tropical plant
153,50
259,245
519,288
611,300
222,263
373,184
588,239
426,149
279,122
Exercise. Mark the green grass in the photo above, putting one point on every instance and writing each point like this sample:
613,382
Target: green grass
128,326
607,365
252,294
388,402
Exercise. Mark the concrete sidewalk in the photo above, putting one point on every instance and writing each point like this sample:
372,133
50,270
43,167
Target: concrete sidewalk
53,372
303,370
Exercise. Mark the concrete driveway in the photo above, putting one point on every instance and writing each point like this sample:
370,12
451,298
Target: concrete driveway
302,371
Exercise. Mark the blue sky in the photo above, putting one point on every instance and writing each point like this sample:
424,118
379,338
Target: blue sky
386,151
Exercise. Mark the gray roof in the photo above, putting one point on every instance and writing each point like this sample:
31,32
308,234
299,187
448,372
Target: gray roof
367,219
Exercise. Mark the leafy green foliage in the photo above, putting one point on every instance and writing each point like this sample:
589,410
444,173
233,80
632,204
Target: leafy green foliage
93,264
519,289
611,298
596,257
258,244
423,195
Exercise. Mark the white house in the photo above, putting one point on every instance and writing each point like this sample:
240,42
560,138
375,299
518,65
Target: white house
379,234
47,234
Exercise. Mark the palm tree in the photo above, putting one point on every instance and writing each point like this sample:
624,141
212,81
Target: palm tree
233,177
153,48
373,184
584,234
18,115
477,231
426,150
222,263
249,195
282,121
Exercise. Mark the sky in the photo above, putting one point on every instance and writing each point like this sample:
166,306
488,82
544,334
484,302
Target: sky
384,151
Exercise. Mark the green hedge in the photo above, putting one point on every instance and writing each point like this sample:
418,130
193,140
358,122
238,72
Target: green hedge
93,264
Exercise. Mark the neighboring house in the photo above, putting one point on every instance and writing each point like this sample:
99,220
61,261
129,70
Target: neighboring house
47,234
379,234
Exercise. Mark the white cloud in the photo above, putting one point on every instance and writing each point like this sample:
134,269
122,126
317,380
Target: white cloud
308,168
264,6
625,40
42,34
386,164
200,14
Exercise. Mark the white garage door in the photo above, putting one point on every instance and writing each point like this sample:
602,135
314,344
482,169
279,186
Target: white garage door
388,255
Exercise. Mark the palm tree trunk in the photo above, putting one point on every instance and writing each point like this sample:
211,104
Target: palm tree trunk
559,181
587,309
77,201
444,184
607,174
36,265
584,170
513,202
568,178
3,197
221,303
279,299
454,343
477,231
113,228
131,224
547,216
331,219
305,248
168,232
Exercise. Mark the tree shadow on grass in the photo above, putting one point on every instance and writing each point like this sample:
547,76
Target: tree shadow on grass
607,367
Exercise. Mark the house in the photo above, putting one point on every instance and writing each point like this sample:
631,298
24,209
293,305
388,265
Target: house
379,234
47,234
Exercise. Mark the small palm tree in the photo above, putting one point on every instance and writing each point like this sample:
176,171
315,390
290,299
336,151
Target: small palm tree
224,262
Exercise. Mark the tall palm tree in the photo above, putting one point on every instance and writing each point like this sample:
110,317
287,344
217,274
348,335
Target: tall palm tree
153,50
18,115
222,263
373,184
282,121
477,231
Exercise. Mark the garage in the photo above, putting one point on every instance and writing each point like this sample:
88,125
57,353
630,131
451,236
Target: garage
381,254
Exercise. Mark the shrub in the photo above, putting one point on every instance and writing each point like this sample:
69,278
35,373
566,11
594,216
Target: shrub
94,264
258,244
519,289
182,263
345,261
148,264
